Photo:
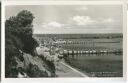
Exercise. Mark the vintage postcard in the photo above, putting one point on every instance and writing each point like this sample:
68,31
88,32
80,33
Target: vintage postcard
54,41
63,41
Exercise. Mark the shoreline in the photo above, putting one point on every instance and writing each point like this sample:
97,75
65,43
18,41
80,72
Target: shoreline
65,70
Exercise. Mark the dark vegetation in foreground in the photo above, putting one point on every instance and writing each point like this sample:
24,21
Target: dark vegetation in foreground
20,49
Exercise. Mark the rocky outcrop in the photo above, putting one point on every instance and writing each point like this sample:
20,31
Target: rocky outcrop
34,66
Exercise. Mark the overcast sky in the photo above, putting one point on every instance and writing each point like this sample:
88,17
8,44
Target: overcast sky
73,18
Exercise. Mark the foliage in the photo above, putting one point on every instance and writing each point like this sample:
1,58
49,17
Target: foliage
21,27
34,71
19,34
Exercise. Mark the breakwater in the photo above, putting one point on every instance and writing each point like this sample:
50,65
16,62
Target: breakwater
68,52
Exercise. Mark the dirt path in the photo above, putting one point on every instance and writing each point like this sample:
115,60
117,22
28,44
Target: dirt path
64,70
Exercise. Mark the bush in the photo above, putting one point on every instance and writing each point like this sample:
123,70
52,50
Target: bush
18,36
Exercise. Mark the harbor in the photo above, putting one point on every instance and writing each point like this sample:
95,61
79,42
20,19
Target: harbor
83,56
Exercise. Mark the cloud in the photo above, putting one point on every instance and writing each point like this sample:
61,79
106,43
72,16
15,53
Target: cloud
82,20
83,8
88,21
108,20
78,23
52,25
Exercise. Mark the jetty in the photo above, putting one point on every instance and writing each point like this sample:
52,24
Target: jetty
68,52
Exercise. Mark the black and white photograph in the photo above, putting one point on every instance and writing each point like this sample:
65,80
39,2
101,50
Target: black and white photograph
43,41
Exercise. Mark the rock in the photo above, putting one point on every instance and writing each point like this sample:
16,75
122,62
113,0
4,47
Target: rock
34,66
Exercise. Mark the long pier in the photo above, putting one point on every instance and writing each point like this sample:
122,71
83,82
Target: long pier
89,51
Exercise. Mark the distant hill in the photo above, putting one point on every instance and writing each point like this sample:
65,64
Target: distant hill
79,36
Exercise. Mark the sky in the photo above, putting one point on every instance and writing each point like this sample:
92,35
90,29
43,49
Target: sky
72,18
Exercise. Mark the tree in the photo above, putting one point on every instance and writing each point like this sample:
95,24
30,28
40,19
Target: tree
21,27
19,36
